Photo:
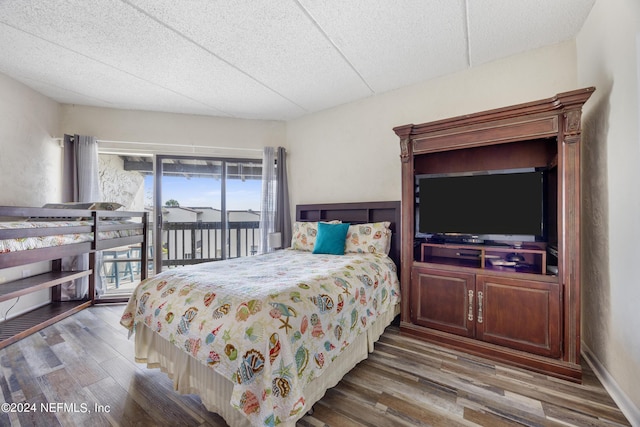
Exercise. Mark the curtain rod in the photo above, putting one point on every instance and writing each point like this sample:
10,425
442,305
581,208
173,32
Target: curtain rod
170,145
178,145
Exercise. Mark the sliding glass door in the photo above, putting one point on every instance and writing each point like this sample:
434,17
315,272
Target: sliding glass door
200,209
205,209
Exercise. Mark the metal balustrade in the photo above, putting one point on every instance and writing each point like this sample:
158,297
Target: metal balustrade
186,243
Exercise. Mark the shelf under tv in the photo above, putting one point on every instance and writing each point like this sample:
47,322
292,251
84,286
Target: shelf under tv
533,257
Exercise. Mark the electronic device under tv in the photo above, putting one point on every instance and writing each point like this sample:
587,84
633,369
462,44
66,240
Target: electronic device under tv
476,207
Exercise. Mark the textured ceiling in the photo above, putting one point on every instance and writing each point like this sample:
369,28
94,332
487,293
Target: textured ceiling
261,59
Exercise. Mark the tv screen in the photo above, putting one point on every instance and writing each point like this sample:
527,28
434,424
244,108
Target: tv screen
498,206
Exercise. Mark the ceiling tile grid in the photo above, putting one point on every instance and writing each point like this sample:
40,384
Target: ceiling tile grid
271,41
261,59
75,79
118,39
395,44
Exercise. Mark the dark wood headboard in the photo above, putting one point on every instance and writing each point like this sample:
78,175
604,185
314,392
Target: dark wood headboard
358,213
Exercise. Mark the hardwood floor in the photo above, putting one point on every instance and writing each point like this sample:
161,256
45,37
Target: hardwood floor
82,370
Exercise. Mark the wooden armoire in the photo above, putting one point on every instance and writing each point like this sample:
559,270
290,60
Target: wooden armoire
461,291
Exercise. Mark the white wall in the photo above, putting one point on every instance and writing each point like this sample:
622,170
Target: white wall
209,215
350,153
118,185
194,135
608,49
179,214
30,158
30,165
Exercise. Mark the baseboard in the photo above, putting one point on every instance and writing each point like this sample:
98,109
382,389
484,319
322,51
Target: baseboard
628,408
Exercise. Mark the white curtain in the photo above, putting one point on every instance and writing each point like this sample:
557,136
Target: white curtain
87,164
274,208
268,202
81,185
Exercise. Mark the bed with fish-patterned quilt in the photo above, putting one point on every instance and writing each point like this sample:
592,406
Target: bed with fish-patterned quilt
260,339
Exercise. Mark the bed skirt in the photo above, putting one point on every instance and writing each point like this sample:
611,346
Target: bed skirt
193,377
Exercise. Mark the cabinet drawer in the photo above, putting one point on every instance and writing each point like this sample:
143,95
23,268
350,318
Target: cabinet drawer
520,314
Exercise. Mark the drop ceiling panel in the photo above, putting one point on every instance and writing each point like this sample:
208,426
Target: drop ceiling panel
395,44
117,37
500,28
274,42
76,79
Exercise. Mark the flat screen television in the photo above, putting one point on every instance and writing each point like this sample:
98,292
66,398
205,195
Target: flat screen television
506,205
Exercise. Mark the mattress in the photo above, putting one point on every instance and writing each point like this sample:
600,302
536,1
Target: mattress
39,242
269,325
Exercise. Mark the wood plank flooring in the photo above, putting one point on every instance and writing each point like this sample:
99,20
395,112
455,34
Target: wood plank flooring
82,370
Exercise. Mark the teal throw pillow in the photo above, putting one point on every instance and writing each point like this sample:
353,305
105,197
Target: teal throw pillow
331,238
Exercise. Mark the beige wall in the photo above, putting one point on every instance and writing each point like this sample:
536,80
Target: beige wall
608,49
180,134
30,165
118,185
30,158
350,153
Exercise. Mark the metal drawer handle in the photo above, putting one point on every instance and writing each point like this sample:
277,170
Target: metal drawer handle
479,306
470,316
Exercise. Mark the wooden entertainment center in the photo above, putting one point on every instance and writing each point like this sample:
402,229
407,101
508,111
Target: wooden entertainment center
468,295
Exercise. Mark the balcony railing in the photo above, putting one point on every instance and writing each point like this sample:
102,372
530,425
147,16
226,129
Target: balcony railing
187,243
183,243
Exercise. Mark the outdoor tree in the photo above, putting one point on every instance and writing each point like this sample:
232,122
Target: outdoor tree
172,202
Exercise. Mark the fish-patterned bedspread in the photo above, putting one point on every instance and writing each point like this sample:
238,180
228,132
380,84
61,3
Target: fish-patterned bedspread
269,323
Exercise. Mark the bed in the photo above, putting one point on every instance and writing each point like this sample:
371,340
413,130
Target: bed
260,339
31,235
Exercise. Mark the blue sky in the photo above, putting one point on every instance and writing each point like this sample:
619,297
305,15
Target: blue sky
205,192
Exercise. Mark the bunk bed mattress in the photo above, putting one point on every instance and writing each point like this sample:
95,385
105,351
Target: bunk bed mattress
270,325
39,242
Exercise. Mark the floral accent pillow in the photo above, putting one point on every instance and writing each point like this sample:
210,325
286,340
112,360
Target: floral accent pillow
372,237
304,234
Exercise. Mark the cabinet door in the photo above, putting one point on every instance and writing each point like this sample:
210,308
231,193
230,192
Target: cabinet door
443,300
520,314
